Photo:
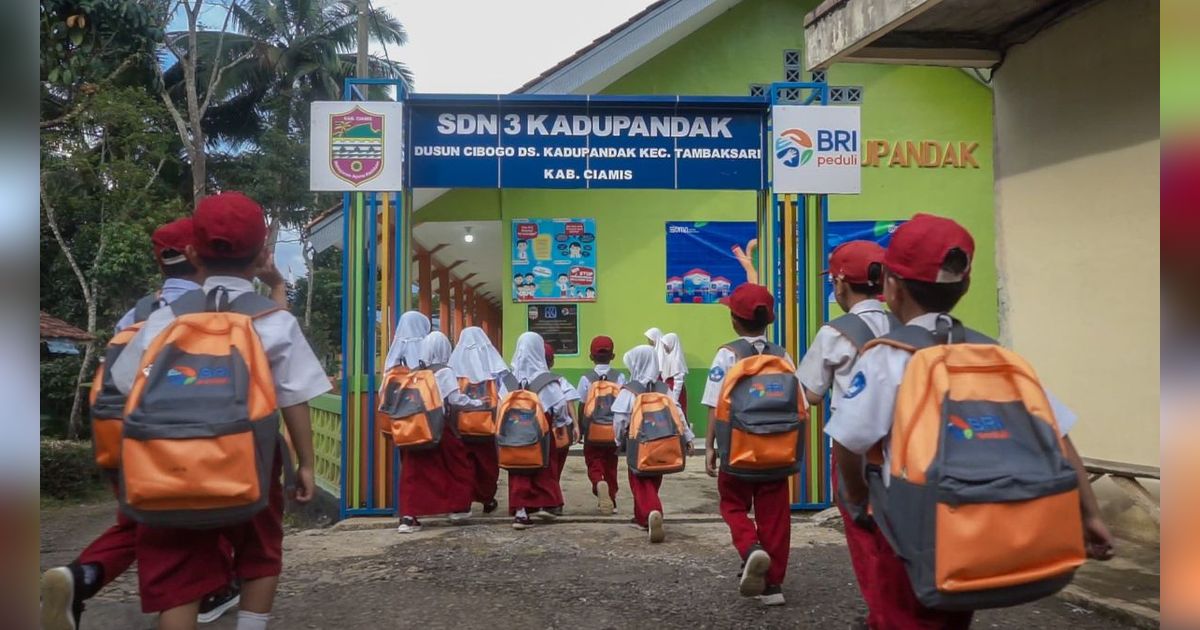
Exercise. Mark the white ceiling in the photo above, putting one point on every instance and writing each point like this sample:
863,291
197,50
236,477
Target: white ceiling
484,257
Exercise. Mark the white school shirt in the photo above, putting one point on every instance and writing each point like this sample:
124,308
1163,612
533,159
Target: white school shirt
171,289
297,373
623,408
585,384
864,415
720,366
831,357
554,401
569,391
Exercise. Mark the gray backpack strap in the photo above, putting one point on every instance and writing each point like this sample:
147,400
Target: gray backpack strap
594,376
854,328
741,349
949,330
636,388
146,305
893,321
190,302
660,387
436,367
510,382
540,381
251,304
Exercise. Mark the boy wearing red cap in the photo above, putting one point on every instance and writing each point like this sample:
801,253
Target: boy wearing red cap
571,398
927,269
176,567
601,460
856,270
763,543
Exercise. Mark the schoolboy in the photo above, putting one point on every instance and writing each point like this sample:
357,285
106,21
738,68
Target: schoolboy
601,459
927,269
763,543
176,567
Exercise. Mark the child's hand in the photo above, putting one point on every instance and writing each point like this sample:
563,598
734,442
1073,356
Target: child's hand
710,462
305,484
691,449
1097,539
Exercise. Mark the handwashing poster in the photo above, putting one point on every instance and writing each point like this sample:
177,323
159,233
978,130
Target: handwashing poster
707,259
554,260
839,232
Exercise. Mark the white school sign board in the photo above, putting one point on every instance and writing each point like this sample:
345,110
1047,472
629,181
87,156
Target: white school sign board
816,149
356,146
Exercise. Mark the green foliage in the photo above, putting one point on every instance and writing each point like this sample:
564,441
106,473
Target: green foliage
57,378
68,470
324,330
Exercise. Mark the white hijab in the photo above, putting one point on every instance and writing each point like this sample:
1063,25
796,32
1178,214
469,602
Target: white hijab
654,336
674,365
642,363
406,343
475,358
529,359
435,348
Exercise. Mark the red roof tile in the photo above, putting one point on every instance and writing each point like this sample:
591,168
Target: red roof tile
51,327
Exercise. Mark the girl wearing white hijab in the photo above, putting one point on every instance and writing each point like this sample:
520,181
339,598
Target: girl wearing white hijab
437,481
653,337
406,343
642,363
477,364
534,493
674,368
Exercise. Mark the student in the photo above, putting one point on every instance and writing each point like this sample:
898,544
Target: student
644,374
856,270
436,480
763,543
532,494
926,272
475,361
571,430
601,459
64,589
177,567
674,368
653,337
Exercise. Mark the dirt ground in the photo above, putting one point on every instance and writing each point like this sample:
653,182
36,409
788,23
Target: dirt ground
566,575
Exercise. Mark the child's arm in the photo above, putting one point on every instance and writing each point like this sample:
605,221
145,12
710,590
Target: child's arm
299,427
1099,541
710,447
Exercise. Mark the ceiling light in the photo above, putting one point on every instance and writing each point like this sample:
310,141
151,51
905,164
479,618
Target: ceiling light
468,237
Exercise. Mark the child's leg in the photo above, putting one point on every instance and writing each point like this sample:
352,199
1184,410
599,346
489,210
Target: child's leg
593,458
898,607
645,497
736,498
773,520
259,595
561,454
861,544
179,618
460,486
487,470
610,471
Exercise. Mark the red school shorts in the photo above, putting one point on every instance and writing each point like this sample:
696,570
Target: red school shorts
179,566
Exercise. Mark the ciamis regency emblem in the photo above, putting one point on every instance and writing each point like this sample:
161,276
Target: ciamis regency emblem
356,145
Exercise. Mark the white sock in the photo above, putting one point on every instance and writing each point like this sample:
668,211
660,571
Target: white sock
252,621
521,513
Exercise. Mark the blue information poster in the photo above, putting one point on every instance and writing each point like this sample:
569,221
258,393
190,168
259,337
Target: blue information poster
701,266
554,260
839,232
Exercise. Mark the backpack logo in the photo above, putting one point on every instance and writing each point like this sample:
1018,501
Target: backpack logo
857,385
767,390
977,428
182,375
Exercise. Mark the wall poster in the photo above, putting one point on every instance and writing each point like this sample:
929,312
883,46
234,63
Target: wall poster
558,324
706,259
554,260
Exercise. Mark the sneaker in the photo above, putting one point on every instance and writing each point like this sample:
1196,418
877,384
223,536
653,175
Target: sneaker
604,502
772,596
218,603
614,510
61,602
547,516
754,573
409,525
458,518
556,511
490,506
633,523
522,522
656,527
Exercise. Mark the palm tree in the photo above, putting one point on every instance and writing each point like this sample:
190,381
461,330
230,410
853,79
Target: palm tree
297,51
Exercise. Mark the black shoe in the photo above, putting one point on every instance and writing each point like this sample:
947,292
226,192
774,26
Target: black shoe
216,604
490,506
62,599
557,511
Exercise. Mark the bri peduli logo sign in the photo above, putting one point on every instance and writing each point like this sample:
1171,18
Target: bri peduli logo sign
794,147
816,149
182,375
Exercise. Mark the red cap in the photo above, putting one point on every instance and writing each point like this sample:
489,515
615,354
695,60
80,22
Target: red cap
747,297
919,247
229,225
602,345
172,239
549,351
851,261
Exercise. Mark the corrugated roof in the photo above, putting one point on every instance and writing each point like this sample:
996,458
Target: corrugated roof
50,327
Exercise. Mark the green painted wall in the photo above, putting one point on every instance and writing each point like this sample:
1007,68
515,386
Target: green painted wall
746,46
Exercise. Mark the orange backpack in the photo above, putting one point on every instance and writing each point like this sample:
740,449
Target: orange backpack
523,431
201,428
982,504
478,425
657,441
760,415
412,402
106,402
596,419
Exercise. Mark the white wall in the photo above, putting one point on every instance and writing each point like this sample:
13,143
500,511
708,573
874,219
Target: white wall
1077,149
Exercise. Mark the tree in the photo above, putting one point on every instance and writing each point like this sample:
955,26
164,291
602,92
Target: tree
324,326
